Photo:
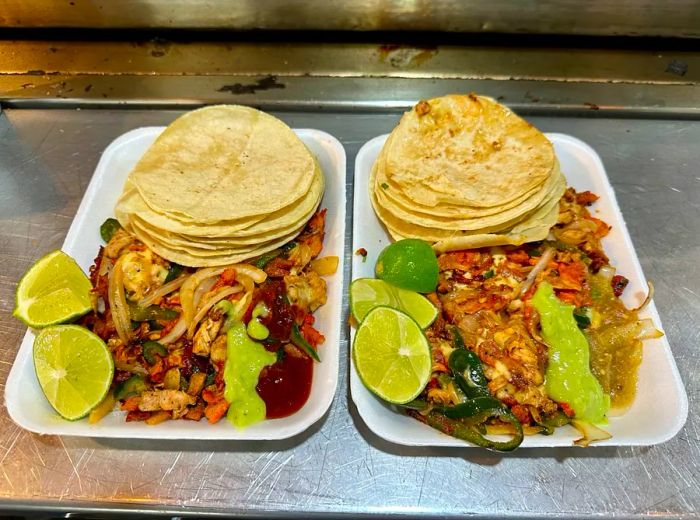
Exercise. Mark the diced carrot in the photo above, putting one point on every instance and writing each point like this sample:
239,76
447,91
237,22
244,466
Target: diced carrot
519,256
586,198
215,411
131,404
158,417
311,335
137,415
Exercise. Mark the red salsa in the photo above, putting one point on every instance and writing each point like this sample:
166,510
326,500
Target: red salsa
286,385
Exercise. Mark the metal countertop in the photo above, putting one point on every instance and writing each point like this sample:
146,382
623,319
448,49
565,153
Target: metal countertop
47,157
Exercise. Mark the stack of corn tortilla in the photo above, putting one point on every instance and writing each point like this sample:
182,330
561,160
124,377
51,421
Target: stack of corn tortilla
221,185
463,171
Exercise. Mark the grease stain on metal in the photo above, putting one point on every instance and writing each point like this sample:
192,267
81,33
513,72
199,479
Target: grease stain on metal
404,56
266,83
677,67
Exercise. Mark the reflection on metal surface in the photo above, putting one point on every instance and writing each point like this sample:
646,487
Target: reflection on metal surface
600,17
340,467
37,58
357,75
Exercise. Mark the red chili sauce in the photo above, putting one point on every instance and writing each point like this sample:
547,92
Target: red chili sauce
284,386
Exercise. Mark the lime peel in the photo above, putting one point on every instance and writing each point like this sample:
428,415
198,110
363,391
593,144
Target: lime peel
54,290
369,293
392,355
74,368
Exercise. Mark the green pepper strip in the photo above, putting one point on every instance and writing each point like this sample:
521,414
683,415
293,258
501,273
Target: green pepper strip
296,338
468,417
152,312
468,432
174,271
150,349
109,228
132,386
265,259
468,372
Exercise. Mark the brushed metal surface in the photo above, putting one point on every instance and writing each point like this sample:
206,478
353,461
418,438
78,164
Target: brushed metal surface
339,467
313,76
618,17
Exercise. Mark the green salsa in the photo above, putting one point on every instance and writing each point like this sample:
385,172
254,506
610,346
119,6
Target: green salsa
568,378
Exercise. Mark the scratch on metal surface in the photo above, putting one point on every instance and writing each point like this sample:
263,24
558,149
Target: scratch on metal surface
73,466
690,291
9,481
422,481
170,469
264,475
646,470
17,433
202,483
204,462
37,451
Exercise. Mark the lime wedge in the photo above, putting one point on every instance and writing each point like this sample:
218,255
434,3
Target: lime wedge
410,264
392,355
368,293
53,290
74,368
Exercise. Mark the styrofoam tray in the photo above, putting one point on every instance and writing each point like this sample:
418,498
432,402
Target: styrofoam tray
25,401
661,406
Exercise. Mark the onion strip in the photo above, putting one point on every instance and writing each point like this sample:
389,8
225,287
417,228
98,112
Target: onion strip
258,275
647,300
188,299
203,289
208,304
188,288
246,281
175,333
163,290
117,302
540,266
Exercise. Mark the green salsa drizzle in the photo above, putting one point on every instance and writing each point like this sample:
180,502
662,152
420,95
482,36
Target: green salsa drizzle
568,377
244,362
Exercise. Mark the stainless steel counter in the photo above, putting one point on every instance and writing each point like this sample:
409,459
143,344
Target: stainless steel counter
339,467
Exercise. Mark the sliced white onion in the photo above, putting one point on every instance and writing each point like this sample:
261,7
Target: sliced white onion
546,257
590,433
258,275
246,281
163,290
647,300
203,289
209,303
607,271
191,284
117,302
175,333
105,265
647,330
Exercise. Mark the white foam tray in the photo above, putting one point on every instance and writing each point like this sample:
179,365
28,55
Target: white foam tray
23,396
661,406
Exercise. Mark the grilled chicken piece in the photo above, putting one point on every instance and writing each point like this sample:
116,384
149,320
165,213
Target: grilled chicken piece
308,291
120,240
218,350
176,401
207,332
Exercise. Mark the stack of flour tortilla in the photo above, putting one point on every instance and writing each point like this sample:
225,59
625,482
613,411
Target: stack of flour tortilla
221,185
464,171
